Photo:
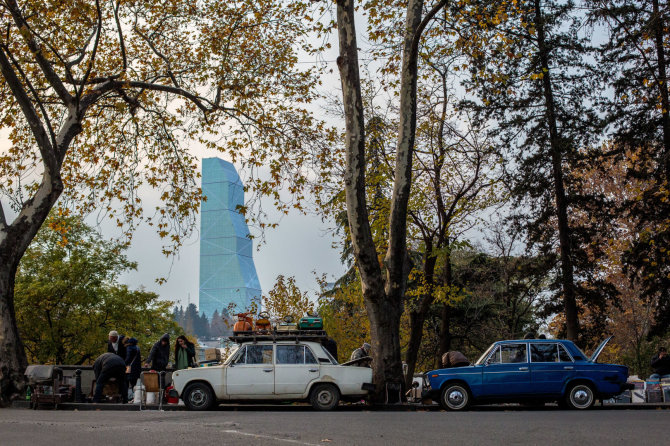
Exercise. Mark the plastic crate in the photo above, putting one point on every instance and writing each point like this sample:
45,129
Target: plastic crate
654,392
666,392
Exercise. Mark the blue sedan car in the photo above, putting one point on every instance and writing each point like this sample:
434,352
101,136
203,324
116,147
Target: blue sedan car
537,370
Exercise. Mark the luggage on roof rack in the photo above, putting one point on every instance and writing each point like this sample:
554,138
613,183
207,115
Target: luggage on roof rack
292,335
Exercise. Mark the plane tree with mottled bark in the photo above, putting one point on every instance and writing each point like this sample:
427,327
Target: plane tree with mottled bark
382,283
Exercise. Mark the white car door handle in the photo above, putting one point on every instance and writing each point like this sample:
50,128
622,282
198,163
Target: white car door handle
568,367
523,368
313,370
267,370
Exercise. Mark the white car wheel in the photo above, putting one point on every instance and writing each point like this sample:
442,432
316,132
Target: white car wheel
324,397
198,396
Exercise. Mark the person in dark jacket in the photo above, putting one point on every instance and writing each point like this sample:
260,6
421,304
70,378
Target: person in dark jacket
454,359
661,365
133,361
184,353
116,344
108,366
159,356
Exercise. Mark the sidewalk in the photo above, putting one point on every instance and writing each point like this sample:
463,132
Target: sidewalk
352,407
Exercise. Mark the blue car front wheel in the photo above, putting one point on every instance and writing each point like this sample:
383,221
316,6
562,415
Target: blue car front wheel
455,397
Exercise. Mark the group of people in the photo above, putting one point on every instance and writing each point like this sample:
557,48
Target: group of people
123,361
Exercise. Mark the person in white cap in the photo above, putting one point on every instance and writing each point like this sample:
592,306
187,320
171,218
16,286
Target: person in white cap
361,352
115,344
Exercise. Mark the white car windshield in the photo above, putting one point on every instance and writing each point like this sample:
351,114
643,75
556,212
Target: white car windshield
484,355
232,353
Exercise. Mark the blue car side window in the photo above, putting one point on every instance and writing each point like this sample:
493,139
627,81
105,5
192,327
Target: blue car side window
544,352
563,355
512,353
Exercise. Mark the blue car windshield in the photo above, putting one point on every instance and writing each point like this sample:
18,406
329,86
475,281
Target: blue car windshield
484,355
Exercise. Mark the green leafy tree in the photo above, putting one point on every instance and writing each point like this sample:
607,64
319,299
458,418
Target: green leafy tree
344,316
68,296
635,63
286,299
527,62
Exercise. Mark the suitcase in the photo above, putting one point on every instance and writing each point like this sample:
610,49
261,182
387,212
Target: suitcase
310,323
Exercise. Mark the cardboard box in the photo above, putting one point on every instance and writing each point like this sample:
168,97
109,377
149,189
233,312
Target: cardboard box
210,354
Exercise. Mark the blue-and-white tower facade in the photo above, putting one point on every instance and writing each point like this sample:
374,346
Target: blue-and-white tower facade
227,270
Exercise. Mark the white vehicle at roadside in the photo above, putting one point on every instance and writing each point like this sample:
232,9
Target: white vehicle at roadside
274,370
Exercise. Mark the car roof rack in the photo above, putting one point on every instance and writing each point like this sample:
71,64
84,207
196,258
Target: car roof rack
280,335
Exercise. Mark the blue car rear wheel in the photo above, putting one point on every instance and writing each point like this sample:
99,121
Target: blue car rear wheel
580,396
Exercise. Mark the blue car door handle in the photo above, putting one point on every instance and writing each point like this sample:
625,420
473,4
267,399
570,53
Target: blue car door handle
523,368
568,367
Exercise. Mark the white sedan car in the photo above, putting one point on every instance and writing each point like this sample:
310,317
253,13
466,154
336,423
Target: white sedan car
274,371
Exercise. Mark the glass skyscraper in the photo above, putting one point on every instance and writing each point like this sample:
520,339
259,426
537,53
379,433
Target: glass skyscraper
227,270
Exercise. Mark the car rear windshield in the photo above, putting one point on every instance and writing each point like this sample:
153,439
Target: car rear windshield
332,359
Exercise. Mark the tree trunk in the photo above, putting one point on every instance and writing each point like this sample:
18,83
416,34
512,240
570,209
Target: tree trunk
367,262
557,146
385,338
445,328
417,317
383,298
14,241
445,331
658,27
13,360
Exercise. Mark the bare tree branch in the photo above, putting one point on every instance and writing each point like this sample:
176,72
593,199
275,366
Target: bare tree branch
168,65
94,51
49,73
38,100
22,98
3,219
122,43
424,23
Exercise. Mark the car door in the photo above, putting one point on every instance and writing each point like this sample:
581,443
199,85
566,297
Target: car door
506,372
550,368
251,374
295,367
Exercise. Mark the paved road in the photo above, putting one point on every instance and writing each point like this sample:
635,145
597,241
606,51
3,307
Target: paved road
287,426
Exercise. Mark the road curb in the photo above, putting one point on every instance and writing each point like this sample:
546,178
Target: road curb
345,408
99,406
